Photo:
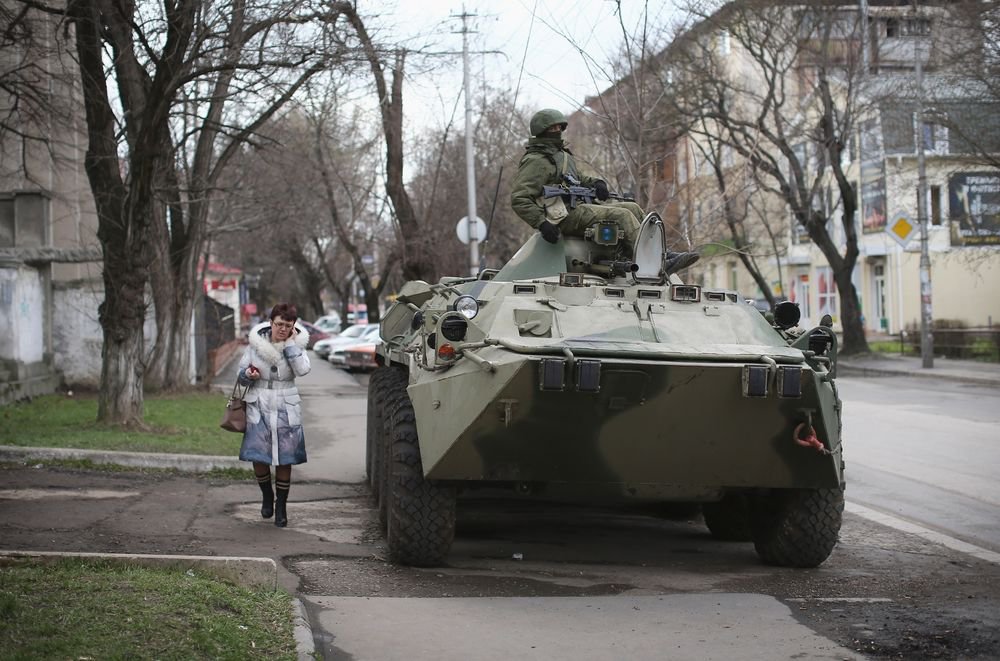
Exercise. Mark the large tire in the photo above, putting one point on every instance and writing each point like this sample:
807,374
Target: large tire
729,518
797,527
420,523
376,411
393,395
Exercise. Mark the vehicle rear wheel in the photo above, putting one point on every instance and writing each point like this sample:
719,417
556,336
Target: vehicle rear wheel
729,518
393,394
796,527
420,525
376,411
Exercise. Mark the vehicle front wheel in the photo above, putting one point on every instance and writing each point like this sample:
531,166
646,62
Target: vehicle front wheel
796,527
420,514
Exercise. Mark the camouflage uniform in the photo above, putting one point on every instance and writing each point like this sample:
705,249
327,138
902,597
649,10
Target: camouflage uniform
546,160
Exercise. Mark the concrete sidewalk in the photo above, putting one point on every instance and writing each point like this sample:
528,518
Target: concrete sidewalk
879,365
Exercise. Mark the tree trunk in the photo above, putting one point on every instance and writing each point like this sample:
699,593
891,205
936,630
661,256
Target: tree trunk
121,397
850,314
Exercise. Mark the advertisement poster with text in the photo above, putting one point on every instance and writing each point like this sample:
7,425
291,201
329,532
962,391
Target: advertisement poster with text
974,199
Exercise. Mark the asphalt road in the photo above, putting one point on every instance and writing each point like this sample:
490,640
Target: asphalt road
925,452
542,581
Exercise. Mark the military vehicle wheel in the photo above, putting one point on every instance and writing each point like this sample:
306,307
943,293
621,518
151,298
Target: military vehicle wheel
393,393
420,524
376,396
796,527
729,518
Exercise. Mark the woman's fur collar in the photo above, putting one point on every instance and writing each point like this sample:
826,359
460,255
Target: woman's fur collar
260,340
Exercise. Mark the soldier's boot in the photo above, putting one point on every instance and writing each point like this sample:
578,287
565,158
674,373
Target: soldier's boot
267,495
678,261
280,511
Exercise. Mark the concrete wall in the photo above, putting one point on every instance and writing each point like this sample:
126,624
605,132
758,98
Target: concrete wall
77,337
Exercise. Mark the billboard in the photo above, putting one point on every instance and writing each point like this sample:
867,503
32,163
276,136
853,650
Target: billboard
974,203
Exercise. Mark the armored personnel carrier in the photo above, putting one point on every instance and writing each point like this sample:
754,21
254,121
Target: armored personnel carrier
574,373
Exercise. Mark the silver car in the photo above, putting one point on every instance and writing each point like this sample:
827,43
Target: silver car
322,348
369,335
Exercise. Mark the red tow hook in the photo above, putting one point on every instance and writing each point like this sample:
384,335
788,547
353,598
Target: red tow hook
810,440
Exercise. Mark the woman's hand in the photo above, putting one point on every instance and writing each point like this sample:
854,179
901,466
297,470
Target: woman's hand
253,373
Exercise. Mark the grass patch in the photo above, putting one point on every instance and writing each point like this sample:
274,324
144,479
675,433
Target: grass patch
76,609
185,423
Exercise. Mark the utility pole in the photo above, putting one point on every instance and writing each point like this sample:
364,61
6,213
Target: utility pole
926,331
470,165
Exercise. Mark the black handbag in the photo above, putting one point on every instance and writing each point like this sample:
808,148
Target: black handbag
235,417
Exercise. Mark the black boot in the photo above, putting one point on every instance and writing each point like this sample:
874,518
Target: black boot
280,513
267,496
678,261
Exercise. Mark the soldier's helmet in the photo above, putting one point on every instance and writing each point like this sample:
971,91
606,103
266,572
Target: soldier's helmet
543,119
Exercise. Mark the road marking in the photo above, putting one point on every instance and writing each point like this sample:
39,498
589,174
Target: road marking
40,494
925,533
844,600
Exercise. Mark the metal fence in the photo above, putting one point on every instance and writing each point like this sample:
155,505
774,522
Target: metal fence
214,328
961,343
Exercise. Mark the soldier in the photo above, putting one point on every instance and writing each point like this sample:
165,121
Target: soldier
546,161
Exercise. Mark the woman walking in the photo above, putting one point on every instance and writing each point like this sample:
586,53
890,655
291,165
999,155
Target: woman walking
274,435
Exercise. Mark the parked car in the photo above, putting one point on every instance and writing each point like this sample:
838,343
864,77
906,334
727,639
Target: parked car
361,357
369,335
315,333
330,323
349,336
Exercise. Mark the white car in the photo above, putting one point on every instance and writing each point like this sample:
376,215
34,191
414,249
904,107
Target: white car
329,323
322,348
369,335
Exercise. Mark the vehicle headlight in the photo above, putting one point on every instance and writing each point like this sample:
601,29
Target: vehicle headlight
467,306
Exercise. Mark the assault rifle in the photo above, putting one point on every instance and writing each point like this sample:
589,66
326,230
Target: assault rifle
573,192
615,268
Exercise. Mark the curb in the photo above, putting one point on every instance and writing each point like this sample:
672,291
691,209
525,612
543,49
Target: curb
257,572
191,463
858,370
305,644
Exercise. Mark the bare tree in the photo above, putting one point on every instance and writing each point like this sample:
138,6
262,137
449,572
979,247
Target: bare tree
208,51
440,161
787,104
964,91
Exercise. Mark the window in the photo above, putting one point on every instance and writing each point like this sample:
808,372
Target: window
724,45
935,137
734,280
6,223
682,169
826,295
800,294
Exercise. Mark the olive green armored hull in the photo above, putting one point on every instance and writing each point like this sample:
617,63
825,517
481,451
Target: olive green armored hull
649,390
652,423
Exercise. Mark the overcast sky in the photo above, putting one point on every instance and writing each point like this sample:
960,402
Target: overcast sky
552,72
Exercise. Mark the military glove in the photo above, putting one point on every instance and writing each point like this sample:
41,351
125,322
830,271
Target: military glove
549,231
601,189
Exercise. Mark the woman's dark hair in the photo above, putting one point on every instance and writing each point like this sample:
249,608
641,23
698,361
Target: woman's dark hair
286,311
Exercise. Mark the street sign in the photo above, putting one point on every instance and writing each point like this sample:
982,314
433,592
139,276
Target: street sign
900,228
462,229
